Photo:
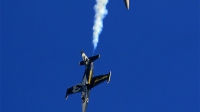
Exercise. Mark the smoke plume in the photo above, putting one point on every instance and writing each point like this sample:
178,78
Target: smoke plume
100,13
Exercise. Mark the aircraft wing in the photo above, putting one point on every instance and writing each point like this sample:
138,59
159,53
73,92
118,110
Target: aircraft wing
127,3
99,79
74,89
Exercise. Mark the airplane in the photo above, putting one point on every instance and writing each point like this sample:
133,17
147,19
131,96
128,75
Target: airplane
127,3
88,81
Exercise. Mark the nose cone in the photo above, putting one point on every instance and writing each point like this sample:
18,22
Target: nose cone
84,106
127,3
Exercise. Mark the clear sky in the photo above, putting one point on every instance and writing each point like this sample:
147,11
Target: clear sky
152,51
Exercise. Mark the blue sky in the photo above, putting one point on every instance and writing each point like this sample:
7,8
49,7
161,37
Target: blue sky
152,51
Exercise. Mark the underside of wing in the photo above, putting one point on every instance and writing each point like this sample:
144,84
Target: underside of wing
74,89
99,79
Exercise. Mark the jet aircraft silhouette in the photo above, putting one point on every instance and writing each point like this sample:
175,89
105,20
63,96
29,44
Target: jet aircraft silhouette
88,81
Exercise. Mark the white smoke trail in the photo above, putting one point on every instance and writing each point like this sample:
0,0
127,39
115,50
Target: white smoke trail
100,13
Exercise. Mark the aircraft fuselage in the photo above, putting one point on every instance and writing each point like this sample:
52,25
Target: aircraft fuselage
88,74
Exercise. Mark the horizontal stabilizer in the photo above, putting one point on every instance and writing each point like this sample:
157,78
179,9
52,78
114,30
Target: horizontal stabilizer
93,58
82,63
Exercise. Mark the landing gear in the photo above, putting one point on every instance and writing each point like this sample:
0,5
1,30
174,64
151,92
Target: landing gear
84,99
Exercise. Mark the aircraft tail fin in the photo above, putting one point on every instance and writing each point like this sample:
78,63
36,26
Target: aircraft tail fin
85,59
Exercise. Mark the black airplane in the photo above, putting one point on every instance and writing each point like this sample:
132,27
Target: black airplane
88,81
127,3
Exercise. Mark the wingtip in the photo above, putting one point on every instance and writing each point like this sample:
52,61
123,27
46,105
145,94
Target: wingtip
109,77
